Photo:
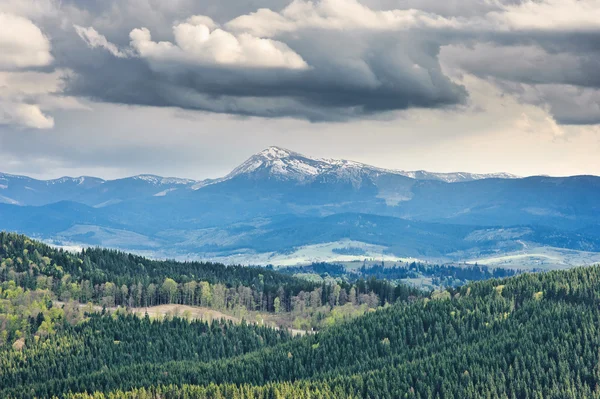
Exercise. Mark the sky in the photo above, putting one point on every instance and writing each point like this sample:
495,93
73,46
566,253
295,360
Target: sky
189,88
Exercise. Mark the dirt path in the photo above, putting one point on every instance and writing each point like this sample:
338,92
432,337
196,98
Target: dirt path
190,312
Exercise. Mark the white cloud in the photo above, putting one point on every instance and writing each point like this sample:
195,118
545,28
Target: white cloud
26,115
196,43
94,39
31,9
335,15
22,43
551,15
25,96
203,20
342,15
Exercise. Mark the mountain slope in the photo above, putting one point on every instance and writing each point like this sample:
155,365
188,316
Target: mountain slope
534,335
285,165
92,191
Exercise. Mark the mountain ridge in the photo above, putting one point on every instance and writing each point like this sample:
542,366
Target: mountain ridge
237,213
290,165
275,162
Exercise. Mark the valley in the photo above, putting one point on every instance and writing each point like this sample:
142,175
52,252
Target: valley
462,341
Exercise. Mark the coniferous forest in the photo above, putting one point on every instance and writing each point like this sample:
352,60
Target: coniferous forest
66,331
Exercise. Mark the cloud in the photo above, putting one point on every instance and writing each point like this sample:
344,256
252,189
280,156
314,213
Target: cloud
199,42
26,115
30,85
31,9
325,60
27,96
22,43
528,63
570,105
94,39
561,79
22,95
562,15
334,15
24,46
324,71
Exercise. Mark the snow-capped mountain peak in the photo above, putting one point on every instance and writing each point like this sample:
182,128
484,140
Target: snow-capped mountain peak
282,164
279,163
274,152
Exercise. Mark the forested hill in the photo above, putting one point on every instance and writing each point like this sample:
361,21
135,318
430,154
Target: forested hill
100,265
113,278
529,336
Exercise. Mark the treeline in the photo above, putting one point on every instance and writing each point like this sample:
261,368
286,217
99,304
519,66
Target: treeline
23,260
113,341
529,336
442,275
114,278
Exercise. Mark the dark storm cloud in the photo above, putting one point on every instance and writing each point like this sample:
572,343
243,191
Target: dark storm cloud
553,69
351,73
393,74
358,61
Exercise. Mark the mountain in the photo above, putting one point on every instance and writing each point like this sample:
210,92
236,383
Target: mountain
274,163
455,177
22,190
285,165
92,191
280,202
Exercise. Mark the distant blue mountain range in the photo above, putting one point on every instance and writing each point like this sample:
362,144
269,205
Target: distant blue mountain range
279,201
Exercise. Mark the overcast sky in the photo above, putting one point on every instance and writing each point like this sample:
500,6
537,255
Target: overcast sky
192,88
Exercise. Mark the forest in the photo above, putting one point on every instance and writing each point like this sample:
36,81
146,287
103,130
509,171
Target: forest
444,275
110,278
532,335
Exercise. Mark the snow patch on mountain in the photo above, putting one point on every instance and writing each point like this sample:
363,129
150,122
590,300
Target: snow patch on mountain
108,203
164,192
455,177
6,200
7,177
76,180
158,180
280,163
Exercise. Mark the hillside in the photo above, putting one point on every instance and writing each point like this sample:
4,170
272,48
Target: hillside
533,335
30,271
